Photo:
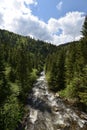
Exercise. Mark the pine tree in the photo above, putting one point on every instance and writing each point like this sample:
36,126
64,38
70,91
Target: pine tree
56,67
84,28
4,86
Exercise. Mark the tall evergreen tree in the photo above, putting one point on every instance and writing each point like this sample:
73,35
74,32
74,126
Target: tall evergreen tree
84,28
4,86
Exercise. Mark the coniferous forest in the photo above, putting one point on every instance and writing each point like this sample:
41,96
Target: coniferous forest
21,61
66,69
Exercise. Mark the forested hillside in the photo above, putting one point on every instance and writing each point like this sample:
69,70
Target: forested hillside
21,60
66,70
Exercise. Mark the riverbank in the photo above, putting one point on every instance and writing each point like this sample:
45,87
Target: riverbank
48,111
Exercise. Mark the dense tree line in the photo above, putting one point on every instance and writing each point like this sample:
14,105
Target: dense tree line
21,60
66,69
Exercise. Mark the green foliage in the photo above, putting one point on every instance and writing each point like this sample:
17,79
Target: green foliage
83,96
12,75
4,86
71,90
21,60
84,29
57,71
34,75
66,70
10,114
83,86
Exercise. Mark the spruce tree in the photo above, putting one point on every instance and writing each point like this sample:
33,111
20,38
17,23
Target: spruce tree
84,28
4,87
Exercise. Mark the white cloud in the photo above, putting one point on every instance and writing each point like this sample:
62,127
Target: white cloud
1,19
32,26
16,16
59,5
70,25
53,25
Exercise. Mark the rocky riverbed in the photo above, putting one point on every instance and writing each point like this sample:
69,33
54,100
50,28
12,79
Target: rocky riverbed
47,111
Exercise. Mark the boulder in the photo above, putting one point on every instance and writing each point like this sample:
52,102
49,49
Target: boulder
57,95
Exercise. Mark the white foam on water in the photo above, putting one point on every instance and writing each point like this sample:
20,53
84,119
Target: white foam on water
33,115
59,120
36,93
61,113
81,123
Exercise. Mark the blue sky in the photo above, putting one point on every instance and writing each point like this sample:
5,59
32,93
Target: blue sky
54,21
48,8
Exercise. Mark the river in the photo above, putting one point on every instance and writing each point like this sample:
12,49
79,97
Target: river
48,111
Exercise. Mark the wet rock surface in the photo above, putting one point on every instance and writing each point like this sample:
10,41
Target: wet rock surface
48,111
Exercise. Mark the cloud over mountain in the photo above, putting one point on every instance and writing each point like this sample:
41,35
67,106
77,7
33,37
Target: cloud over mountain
16,16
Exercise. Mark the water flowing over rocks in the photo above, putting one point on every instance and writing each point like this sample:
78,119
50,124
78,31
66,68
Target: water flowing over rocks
48,111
